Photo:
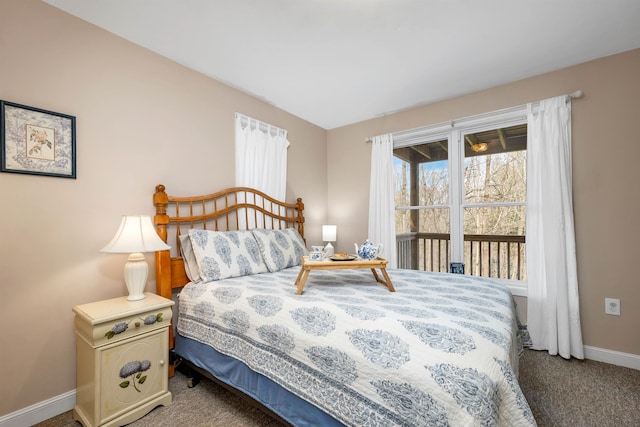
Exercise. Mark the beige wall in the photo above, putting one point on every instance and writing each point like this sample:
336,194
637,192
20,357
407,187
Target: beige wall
142,120
606,150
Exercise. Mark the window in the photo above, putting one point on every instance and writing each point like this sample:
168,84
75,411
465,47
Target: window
423,222
460,195
494,205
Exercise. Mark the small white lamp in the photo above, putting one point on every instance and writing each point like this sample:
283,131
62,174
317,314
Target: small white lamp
329,235
135,236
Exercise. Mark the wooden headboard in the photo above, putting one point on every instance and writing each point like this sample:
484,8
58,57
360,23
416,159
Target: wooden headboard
235,208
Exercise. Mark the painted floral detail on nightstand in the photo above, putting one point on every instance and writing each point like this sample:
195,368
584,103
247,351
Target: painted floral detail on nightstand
152,318
117,329
134,369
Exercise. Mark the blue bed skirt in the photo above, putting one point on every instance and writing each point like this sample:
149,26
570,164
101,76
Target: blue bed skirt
290,407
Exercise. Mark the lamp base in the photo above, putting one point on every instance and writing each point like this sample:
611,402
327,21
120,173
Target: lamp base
136,271
329,250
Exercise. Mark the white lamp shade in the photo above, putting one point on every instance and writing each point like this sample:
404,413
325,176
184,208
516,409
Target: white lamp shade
136,234
329,233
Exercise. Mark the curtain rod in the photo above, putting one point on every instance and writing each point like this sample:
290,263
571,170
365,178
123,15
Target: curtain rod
263,126
573,95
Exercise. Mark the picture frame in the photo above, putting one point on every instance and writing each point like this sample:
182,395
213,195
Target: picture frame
456,267
37,142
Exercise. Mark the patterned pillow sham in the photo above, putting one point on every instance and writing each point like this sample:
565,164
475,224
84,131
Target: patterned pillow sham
280,248
223,254
189,258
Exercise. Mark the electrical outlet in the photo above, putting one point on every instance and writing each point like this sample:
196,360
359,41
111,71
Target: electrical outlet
612,306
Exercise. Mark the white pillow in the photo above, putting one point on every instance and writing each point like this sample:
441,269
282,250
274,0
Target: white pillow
189,258
280,248
222,254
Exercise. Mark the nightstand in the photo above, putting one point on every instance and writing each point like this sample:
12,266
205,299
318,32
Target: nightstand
122,359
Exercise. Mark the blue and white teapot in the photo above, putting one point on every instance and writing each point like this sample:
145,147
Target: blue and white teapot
368,250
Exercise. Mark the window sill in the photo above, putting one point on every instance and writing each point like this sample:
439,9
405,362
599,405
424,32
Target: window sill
518,288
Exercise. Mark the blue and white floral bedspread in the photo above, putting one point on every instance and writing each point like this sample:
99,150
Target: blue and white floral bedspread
442,350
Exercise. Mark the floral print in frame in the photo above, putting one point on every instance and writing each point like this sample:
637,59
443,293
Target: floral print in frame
37,142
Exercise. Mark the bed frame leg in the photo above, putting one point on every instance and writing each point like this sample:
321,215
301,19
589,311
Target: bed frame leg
193,381
193,376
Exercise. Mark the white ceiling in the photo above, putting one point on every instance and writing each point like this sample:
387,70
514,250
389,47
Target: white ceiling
337,62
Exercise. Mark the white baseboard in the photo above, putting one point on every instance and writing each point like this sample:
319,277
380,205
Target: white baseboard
57,405
627,360
41,411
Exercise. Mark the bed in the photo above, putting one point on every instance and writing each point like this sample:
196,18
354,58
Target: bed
441,350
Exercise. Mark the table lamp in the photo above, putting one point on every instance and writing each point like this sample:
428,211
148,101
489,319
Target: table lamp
329,235
135,236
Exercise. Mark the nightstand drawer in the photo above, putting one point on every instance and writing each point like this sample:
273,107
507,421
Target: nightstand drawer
109,321
98,334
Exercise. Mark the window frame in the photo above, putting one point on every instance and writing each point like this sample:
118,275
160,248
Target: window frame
453,131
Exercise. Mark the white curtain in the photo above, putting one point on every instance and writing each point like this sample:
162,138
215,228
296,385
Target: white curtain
553,305
261,157
382,226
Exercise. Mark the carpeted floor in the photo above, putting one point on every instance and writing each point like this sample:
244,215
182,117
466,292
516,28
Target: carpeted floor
579,393
561,393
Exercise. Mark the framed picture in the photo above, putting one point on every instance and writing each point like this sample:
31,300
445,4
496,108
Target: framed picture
37,142
456,268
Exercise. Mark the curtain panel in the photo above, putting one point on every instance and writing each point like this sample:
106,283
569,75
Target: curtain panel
261,160
261,156
382,226
553,302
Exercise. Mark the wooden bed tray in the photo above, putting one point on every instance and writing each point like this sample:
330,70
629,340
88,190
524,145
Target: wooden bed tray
235,208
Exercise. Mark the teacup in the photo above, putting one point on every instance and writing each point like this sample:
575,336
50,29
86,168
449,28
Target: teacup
316,256
317,248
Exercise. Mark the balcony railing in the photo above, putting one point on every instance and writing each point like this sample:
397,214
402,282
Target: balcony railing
484,255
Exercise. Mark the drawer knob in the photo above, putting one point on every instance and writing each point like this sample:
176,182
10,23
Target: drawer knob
162,363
